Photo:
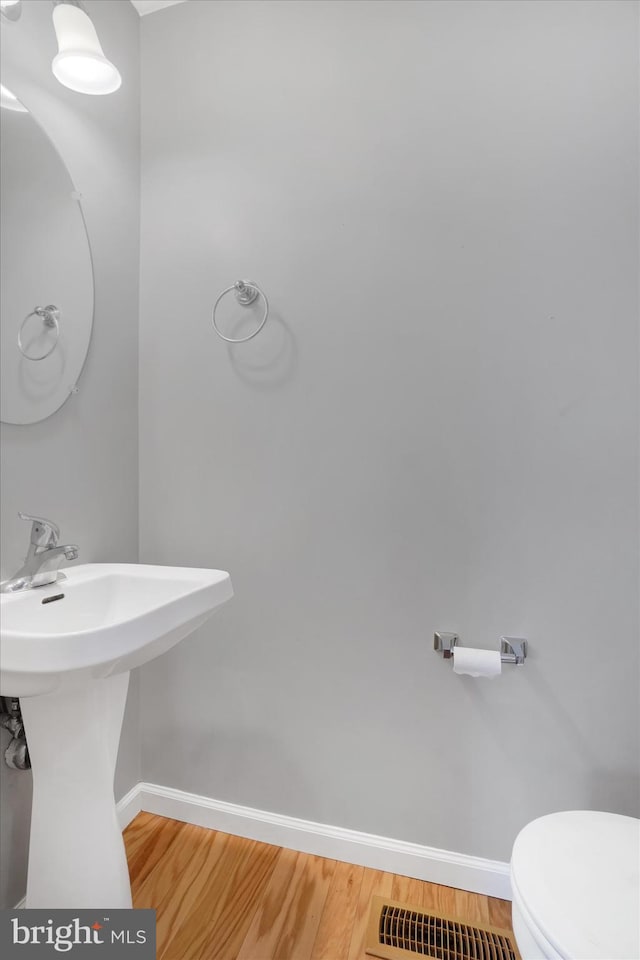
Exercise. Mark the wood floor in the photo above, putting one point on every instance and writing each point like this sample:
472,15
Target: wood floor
220,897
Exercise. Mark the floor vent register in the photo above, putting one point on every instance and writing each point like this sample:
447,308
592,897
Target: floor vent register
398,931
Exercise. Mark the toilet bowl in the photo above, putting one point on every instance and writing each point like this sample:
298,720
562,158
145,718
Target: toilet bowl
575,886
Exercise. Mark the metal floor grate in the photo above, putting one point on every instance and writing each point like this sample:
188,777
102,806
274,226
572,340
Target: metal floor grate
397,931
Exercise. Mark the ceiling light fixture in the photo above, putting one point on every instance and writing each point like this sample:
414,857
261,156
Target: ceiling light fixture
10,9
80,63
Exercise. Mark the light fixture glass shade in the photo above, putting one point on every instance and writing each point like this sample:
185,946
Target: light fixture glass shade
80,63
9,101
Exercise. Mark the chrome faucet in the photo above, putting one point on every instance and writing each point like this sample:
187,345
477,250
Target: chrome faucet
43,559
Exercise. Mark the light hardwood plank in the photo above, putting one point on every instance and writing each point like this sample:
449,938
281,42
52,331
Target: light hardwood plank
221,915
471,907
175,883
287,919
500,913
375,883
408,891
336,924
440,899
147,840
138,836
198,863
268,919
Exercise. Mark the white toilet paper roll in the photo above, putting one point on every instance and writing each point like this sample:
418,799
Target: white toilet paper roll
477,663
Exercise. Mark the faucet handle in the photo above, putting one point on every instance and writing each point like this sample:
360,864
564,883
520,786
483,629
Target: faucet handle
44,533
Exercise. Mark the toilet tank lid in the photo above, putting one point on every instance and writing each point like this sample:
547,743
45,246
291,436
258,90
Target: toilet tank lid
575,874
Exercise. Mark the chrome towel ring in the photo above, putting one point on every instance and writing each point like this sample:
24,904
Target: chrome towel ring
50,316
246,292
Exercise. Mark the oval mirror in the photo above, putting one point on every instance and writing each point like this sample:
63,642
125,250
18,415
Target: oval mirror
46,274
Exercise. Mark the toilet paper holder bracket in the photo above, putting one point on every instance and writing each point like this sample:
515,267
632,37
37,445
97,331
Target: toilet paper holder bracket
512,649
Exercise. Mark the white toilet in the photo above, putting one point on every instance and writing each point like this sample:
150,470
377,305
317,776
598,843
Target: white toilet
576,895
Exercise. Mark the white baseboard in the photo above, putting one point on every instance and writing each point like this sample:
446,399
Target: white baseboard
129,806
489,877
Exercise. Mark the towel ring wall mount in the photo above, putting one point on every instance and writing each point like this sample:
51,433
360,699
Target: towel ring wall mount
50,319
247,292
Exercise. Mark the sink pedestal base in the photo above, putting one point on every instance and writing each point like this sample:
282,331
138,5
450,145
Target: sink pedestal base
76,853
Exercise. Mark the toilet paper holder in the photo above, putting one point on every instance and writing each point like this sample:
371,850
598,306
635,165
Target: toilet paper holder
512,649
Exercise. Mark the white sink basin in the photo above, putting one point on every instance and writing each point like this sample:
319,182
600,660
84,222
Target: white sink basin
111,617
68,659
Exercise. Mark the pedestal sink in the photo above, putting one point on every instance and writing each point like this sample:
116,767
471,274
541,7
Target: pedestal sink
66,650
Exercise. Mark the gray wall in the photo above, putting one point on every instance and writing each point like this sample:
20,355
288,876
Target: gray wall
437,429
80,466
